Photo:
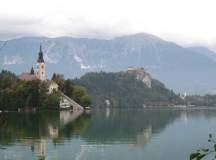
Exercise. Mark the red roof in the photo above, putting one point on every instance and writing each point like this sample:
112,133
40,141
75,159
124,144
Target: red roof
27,77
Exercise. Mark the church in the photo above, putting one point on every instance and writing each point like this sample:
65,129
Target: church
40,73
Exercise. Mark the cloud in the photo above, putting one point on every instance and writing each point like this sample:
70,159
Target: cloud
179,20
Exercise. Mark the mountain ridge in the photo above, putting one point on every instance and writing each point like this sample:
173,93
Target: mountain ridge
180,68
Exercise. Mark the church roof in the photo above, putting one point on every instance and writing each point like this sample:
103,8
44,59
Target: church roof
27,76
40,56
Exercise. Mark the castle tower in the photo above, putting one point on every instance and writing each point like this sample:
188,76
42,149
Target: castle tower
41,74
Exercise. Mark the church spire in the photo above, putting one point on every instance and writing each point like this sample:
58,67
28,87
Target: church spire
41,72
40,48
32,70
40,56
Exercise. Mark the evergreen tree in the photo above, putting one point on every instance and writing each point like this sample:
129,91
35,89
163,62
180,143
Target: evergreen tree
32,70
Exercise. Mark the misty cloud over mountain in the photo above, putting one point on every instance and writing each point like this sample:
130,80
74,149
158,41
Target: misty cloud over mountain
182,69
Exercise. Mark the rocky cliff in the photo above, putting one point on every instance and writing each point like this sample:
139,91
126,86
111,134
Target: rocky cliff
127,89
141,75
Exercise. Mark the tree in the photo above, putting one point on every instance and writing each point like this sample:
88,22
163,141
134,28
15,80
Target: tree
68,88
78,92
32,70
85,100
52,101
59,79
15,93
203,152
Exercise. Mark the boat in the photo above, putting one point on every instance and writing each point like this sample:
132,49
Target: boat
88,108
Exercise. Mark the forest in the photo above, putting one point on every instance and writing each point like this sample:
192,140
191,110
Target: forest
16,94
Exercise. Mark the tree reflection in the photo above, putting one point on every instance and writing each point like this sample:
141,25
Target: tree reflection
101,127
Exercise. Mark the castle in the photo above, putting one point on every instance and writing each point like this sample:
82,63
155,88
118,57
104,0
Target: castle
40,73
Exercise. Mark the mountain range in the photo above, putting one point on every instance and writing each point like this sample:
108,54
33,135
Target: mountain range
183,69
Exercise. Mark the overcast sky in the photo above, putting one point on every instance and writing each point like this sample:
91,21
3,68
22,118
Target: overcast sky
183,21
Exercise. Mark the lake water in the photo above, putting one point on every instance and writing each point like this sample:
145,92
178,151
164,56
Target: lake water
145,134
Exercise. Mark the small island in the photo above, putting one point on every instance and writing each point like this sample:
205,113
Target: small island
31,91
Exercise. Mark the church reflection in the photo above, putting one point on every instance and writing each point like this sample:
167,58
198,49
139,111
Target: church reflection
36,129
102,127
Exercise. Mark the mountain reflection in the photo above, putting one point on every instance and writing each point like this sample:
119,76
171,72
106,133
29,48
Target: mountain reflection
127,126
135,126
109,126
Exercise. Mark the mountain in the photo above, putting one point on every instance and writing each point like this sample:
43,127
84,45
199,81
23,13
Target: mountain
182,69
203,50
126,89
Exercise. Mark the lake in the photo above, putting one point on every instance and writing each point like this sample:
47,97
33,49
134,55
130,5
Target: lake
118,134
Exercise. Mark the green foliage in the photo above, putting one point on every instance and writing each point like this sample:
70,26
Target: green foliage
123,90
52,102
7,79
59,79
85,100
15,93
203,152
68,88
206,100
77,92
80,95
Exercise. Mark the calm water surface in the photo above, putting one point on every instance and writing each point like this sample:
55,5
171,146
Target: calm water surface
148,134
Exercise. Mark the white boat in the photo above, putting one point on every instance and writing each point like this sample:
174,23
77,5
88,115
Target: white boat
180,106
87,108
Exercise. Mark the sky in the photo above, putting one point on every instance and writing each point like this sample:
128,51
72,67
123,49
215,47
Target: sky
186,22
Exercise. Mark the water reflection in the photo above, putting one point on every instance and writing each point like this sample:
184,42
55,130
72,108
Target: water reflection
36,129
41,131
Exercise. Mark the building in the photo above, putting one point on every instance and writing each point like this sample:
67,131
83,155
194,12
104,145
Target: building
65,101
26,76
132,69
52,86
141,75
41,74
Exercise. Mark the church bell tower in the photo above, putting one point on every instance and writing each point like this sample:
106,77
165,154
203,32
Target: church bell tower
41,74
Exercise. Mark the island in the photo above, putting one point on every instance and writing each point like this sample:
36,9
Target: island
31,91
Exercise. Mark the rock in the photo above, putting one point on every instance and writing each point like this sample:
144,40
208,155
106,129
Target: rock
141,75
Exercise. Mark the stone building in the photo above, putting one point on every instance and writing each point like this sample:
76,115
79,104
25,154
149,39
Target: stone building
52,86
40,73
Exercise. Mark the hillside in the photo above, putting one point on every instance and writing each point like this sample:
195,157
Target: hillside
182,69
126,89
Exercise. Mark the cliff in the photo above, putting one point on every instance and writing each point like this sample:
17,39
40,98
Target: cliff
127,89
